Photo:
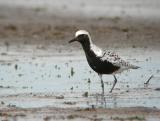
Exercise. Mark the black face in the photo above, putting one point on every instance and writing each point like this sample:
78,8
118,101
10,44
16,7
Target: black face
83,39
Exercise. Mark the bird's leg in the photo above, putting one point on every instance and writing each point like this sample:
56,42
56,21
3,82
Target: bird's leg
102,83
115,81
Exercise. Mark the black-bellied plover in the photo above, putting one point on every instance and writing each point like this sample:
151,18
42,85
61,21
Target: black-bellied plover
102,62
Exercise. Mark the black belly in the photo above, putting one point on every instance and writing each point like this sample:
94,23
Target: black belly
102,67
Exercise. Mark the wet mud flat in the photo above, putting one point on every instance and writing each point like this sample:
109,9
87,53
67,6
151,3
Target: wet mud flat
51,87
54,114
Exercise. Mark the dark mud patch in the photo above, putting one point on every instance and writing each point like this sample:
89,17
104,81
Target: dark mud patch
157,89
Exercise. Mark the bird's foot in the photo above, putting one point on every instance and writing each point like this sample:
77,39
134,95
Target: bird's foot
146,83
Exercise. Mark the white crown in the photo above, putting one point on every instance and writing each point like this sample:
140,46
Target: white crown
79,32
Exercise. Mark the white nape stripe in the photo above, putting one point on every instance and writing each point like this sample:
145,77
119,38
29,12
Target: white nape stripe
98,52
81,32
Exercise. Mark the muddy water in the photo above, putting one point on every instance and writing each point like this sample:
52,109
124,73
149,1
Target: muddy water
68,81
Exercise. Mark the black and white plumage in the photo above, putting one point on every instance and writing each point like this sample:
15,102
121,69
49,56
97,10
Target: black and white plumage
102,62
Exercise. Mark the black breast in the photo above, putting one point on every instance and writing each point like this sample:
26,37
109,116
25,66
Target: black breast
101,67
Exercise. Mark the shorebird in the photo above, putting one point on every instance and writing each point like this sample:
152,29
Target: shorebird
102,62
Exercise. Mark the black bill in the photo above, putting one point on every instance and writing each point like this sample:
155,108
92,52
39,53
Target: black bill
73,40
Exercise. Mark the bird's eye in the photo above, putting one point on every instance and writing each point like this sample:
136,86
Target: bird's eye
84,35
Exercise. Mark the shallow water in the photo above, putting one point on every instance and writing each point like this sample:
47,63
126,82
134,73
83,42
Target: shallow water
64,81
140,8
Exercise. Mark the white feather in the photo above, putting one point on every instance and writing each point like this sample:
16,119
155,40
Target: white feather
97,51
81,32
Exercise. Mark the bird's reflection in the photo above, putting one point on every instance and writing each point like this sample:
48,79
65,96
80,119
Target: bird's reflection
106,101
100,100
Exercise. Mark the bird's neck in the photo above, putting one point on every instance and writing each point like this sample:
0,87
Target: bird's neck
92,50
86,46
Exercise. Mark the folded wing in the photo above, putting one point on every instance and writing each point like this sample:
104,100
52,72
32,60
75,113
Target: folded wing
117,61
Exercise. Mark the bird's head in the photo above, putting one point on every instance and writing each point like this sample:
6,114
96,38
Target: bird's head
82,36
